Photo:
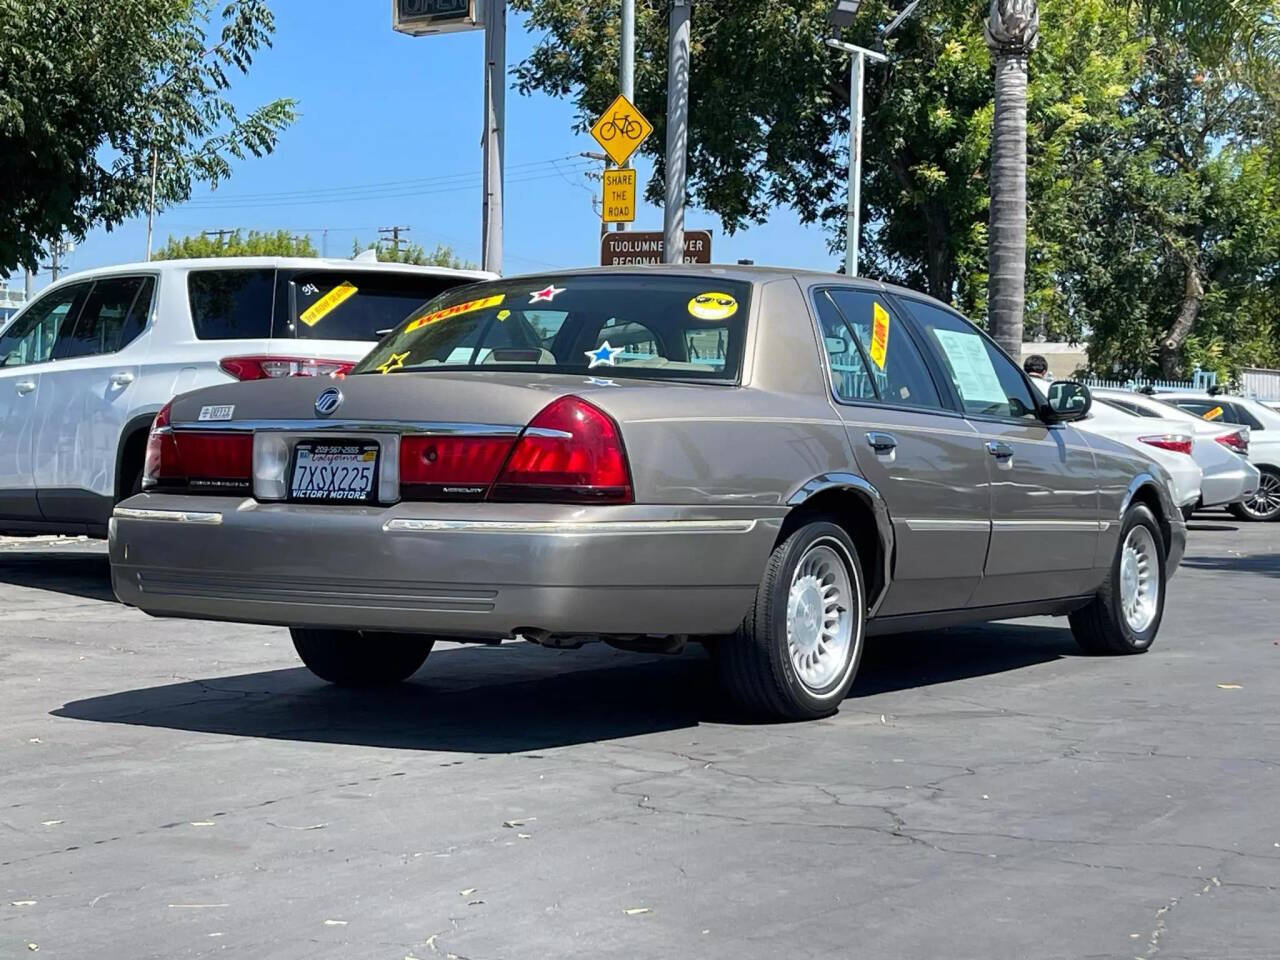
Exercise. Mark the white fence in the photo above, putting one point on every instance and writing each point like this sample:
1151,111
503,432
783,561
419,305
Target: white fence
1201,381
1260,384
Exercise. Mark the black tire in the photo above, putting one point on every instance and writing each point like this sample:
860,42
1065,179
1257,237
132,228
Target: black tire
755,664
1101,628
353,658
1264,507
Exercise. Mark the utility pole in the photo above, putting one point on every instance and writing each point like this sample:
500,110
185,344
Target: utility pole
151,203
220,234
324,242
677,132
26,284
57,249
495,96
395,237
595,201
627,66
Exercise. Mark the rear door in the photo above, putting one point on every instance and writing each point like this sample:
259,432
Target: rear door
25,349
926,460
1044,485
86,396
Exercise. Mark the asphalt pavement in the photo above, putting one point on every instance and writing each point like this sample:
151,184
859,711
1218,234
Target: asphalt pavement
182,789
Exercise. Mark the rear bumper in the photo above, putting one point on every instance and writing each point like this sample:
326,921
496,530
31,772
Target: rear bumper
1229,483
471,570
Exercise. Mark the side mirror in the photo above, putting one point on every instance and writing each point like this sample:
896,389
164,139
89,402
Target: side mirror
1068,401
837,346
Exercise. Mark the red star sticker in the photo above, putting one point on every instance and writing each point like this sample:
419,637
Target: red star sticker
547,293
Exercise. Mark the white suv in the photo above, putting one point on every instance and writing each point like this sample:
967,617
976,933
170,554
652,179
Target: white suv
85,366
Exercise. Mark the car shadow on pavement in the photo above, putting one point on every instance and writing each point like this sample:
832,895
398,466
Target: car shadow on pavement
1267,564
76,573
518,697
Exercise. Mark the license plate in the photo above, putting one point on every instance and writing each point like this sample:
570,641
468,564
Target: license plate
334,472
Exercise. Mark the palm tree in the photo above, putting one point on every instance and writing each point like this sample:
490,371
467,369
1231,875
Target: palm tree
1013,30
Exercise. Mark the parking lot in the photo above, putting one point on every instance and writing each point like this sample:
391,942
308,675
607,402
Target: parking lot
172,788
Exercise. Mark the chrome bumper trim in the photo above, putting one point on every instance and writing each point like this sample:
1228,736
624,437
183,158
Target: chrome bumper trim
169,516
413,427
583,528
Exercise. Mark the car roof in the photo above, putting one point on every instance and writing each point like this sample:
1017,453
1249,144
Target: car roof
274,263
746,273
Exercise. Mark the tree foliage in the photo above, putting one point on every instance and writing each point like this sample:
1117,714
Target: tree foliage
94,96
278,243
441,256
1114,205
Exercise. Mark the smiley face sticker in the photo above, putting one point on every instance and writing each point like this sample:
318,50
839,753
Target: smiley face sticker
713,306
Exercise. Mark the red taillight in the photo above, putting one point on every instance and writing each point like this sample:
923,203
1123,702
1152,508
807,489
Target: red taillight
271,368
1237,442
570,452
1170,441
450,467
196,460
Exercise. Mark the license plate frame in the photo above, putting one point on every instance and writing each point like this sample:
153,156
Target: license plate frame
306,450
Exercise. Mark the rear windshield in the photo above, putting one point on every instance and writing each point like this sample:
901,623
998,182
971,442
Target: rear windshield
608,325
357,305
232,304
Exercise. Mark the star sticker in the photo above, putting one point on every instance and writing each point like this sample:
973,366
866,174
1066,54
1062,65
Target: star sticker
546,294
601,382
603,354
394,362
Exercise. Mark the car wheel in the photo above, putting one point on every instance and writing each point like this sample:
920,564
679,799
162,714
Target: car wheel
353,658
797,651
1264,505
1125,615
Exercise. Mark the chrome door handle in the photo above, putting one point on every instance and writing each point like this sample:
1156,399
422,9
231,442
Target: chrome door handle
121,379
882,442
24,387
999,450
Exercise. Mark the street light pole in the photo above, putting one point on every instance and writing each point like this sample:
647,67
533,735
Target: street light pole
627,66
853,219
495,91
677,132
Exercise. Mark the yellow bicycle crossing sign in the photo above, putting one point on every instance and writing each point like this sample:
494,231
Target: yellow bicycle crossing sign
621,130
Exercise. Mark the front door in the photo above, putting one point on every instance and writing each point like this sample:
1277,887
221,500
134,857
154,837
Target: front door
25,348
1044,487
927,461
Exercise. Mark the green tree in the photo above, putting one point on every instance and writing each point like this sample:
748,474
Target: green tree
279,243
441,256
97,100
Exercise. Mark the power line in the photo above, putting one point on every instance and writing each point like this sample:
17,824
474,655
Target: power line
517,168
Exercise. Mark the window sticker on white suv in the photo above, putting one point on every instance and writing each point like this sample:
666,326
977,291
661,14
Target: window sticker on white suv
328,303
975,374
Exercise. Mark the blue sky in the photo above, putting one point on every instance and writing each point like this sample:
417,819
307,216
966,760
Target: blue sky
404,113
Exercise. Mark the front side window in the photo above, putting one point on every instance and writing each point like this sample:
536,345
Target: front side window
989,383
112,317
652,327
30,338
895,364
232,304
357,304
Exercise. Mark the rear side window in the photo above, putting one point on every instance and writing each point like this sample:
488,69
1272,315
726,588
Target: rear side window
896,366
357,305
231,304
112,318
1133,408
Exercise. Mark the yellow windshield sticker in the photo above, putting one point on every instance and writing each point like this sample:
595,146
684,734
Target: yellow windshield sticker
1214,414
879,335
503,314
713,306
394,362
457,310
328,303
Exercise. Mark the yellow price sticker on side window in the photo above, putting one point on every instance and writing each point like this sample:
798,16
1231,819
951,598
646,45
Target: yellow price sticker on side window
328,303
879,335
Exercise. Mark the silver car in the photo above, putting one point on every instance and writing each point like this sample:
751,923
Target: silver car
772,463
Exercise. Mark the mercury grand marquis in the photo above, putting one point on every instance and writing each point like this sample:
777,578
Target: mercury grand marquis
775,464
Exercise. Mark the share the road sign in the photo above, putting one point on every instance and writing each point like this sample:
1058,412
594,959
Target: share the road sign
619,196
621,130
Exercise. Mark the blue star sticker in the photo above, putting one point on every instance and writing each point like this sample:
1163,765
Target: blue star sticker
603,355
